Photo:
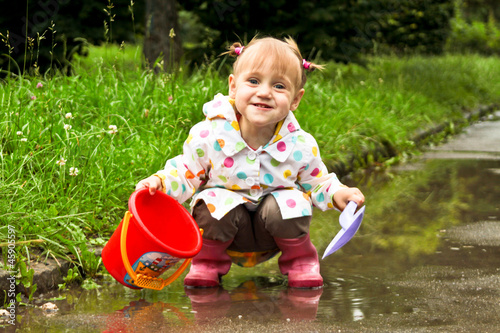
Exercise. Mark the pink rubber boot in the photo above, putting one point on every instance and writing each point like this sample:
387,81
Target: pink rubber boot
299,260
209,264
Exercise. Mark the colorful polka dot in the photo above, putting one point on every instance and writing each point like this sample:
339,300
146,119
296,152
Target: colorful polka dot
249,161
297,155
287,173
221,143
315,151
217,104
239,146
229,201
189,138
315,172
235,187
173,163
301,138
204,133
235,125
228,127
274,163
228,162
217,146
183,188
211,194
211,208
174,173
307,187
224,179
189,174
291,203
321,197
241,175
175,186
291,127
305,212
268,179
281,146
200,152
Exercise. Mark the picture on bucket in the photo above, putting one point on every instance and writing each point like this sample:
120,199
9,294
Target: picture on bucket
252,173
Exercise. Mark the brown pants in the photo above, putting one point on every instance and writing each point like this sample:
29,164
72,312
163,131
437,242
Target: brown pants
251,231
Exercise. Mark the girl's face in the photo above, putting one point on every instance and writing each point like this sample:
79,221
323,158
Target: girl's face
263,96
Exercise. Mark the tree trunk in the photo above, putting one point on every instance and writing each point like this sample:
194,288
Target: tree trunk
161,18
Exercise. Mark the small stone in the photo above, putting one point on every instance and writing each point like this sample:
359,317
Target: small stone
49,307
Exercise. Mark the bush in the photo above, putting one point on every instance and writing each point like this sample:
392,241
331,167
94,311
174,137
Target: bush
476,36
340,30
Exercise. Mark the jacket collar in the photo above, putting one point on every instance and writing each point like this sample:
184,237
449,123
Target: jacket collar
228,135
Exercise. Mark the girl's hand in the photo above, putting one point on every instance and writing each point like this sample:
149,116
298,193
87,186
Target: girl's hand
153,183
343,196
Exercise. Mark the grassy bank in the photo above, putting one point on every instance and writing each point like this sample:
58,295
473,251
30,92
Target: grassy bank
73,148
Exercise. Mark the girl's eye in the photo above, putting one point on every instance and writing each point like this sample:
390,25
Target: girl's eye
279,86
253,81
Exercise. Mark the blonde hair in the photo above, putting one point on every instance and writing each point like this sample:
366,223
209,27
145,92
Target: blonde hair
282,52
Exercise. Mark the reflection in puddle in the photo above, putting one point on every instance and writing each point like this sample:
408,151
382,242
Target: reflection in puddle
421,225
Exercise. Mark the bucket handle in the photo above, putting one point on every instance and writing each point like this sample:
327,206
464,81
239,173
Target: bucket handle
142,280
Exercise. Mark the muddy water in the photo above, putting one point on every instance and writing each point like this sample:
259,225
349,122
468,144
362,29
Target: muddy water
427,258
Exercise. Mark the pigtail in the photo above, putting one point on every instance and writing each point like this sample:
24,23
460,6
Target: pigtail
234,50
312,66
308,66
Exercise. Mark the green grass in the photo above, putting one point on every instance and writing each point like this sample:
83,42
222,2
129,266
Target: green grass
348,108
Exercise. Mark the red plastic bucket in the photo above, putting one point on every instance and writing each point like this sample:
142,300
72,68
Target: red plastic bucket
160,233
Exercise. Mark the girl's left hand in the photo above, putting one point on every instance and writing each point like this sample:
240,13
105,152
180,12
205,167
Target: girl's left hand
343,196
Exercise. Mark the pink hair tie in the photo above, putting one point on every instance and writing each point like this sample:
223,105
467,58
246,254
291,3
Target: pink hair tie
238,50
306,64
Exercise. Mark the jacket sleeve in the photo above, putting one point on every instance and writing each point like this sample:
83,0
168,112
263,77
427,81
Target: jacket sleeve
315,179
185,173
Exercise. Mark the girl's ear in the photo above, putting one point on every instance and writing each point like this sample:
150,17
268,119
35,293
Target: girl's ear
297,99
232,86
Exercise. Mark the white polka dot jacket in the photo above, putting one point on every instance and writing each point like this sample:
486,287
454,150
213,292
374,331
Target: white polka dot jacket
218,167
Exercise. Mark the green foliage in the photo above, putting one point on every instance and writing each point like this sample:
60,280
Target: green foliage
415,26
25,279
473,36
339,30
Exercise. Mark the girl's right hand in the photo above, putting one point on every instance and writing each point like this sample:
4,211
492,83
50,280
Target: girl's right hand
153,183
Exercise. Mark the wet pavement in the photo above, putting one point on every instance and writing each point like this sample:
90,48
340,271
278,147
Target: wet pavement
426,259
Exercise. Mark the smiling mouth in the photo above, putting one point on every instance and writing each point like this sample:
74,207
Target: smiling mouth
263,106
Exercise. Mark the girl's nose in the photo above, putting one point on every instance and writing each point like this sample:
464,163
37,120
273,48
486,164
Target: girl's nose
264,90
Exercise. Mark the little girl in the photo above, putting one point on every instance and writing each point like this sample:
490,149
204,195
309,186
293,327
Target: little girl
253,173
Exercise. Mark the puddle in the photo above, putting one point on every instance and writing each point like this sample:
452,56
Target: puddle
426,256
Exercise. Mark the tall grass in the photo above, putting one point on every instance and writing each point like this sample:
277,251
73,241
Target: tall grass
73,147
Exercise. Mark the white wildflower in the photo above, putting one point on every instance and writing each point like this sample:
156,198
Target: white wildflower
24,140
67,127
61,162
113,129
19,133
73,171
69,115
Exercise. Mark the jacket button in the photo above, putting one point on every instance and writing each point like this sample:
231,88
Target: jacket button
252,156
250,181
